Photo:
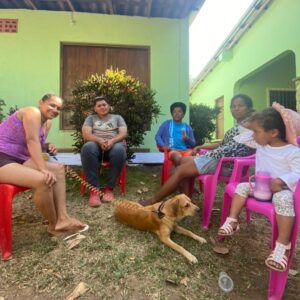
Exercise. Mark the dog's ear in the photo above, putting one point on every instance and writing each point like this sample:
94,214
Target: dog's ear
175,207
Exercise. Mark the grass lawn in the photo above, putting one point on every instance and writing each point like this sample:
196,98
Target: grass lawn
117,262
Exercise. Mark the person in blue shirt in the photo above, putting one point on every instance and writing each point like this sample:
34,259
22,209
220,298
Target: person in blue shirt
176,136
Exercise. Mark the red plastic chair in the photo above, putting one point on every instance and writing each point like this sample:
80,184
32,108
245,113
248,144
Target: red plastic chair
208,186
122,178
277,280
167,165
7,194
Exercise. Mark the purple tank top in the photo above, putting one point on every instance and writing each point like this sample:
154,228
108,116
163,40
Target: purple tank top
13,140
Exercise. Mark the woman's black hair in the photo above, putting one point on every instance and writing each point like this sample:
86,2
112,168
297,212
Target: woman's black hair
178,104
246,99
47,97
99,98
269,119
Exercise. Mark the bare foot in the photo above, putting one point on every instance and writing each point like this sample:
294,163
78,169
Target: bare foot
69,225
52,231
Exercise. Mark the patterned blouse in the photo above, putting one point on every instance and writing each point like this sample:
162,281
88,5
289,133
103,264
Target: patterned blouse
229,147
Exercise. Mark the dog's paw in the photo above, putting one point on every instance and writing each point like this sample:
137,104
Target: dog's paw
201,240
192,259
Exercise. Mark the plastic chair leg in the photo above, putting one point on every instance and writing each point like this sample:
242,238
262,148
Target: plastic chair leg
7,194
208,202
82,186
122,180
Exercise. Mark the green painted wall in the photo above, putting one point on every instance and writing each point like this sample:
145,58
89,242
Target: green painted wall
267,56
278,74
30,59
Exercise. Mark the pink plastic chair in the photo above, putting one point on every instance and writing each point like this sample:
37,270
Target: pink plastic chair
7,193
277,280
208,186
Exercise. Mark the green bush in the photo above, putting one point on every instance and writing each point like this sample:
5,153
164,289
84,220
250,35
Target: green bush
203,122
128,97
2,103
11,110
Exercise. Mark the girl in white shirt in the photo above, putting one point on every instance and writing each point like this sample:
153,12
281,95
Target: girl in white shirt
282,160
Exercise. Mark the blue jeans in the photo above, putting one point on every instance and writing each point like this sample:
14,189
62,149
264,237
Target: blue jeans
91,157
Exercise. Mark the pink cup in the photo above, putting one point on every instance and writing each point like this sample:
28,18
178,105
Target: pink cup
261,189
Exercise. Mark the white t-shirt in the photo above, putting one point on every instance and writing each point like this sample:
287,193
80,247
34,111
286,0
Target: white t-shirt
281,162
105,128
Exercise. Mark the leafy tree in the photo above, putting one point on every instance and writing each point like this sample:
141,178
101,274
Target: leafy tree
130,98
202,120
2,103
11,110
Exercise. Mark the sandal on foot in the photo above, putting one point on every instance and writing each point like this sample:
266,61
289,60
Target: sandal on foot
279,257
227,229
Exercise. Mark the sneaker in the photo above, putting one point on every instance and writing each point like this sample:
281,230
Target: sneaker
94,200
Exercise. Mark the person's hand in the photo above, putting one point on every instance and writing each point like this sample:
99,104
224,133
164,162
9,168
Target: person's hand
107,145
166,148
196,150
184,135
52,150
101,143
49,178
276,185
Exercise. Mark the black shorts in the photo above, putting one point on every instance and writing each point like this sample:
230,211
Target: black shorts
6,159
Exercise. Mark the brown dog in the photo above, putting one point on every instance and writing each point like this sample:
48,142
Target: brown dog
161,218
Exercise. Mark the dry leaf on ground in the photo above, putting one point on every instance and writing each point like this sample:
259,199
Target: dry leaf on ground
293,272
80,289
170,281
212,239
75,242
221,250
184,281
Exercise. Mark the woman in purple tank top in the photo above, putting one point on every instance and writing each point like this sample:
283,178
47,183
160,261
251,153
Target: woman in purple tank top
22,137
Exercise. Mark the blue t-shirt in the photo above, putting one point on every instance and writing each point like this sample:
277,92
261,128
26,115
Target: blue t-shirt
176,141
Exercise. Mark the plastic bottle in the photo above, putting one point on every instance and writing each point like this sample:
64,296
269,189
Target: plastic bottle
225,282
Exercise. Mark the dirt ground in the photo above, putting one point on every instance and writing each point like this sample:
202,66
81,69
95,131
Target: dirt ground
117,262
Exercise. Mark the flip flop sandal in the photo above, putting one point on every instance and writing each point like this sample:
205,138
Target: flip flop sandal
227,229
85,228
278,256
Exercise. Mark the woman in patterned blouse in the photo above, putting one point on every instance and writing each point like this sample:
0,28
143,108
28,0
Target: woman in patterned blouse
241,107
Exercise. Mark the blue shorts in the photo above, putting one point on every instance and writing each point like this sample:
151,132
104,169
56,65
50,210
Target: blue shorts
205,165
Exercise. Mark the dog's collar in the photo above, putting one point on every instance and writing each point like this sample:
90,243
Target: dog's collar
159,211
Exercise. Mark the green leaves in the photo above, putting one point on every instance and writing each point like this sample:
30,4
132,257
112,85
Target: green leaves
128,97
202,120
